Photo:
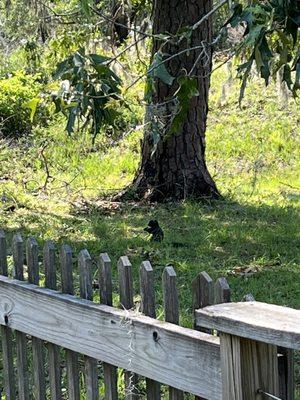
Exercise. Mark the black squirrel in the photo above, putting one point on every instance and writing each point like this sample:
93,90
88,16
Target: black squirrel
155,230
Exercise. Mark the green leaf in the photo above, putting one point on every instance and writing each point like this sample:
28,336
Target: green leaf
98,59
158,70
32,105
85,7
188,89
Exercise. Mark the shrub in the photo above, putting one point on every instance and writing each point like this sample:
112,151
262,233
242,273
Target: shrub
16,92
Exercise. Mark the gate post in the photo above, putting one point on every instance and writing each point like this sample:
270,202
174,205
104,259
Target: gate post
250,334
247,366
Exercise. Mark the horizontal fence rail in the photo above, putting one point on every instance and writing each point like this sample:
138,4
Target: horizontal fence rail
176,356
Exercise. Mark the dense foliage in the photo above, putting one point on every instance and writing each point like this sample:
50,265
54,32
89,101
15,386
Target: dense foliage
264,33
19,93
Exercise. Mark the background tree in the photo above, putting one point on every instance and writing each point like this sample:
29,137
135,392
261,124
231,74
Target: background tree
173,152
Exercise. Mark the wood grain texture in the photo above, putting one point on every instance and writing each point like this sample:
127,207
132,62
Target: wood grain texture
105,281
22,366
286,373
49,259
18,256
66,262
86,292
6,335
53,351
179,357
259,366
171,307
8,363
3,254
110,372
38,363
222,291
126,302
231,367
148,308
21,340
253,320
247,367
203,296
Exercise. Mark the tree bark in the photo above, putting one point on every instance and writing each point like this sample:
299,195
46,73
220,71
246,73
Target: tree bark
175,167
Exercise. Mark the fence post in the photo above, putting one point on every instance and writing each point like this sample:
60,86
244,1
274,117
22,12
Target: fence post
246,366
6,335
68,288
148,308
86,292
110,372
37,344
171,312
53,351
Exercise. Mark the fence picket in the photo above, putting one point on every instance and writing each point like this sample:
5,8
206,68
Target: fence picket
38,363
18,257
86,292
71,356
126,302
21,341
6,334
148,308
53,351
171,312
3,254
222,291
110,372
203,295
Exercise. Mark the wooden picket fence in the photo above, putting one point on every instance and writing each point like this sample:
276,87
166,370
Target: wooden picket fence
51,339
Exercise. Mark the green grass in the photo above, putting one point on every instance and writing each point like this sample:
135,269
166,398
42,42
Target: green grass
253,154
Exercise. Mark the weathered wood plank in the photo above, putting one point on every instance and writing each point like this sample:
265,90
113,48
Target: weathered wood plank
53,351
18,257
171,313
247,367
68,288
21,341
126,302
6,334
50,265
105,281
182,358
203,296
222,291
38,364
286,373
257,321
3,254
86,292
231,367
8,363
110,372
148,308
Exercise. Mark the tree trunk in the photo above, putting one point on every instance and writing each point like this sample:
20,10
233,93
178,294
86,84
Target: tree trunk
174,167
